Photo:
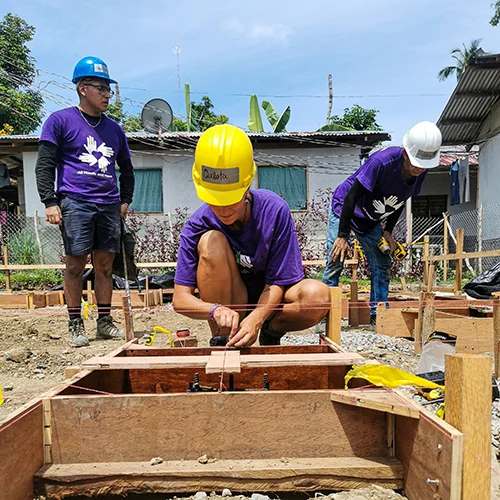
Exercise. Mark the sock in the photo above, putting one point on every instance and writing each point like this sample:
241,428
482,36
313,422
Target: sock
74,312
103,310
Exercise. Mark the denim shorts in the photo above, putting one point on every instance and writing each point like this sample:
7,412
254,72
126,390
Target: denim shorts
90,226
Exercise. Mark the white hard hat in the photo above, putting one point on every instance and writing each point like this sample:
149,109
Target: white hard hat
422,144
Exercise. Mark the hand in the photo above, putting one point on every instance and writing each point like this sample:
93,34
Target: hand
124,210
53,215
340,249
227,318
245,336
390,240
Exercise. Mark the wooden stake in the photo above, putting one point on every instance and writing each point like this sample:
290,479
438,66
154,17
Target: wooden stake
430,278
426,320
496,332
6,263
146,295
458,263
47,432
129,332
468,409
426,263
445,248
89,293
404,288
334,318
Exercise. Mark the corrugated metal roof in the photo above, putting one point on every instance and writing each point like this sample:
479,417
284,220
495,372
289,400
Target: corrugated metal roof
187,140
470,104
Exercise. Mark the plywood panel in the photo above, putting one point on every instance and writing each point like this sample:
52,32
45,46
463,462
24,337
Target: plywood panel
475,335
21,452
227,426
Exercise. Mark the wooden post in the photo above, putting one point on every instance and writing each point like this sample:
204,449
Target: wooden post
7,272
89,292
496,332
146,295
445,248
354,311
480,237
426,263
129,332
430,278
334,319
404,288
426,320
458,263
31,302
468,409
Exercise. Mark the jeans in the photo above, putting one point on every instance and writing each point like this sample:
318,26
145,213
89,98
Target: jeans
380,264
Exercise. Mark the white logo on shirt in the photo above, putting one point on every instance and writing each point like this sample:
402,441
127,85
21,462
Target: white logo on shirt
386,207
90,157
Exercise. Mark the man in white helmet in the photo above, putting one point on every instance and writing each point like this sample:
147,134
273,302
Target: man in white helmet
371,201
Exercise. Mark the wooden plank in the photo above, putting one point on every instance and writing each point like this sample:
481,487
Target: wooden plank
189,476
468,409
430,450
396,322
127,314
223,362
334,318
425,261
224,426
247,361
375,399
462,255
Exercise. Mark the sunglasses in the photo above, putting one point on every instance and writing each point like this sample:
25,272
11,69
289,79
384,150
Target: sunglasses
103,89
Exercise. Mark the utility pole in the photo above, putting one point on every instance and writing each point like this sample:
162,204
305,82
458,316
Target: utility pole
330,99
176,49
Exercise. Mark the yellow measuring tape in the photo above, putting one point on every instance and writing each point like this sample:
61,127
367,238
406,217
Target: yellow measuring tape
151,337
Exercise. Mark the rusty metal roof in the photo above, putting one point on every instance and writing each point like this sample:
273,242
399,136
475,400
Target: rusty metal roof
470,104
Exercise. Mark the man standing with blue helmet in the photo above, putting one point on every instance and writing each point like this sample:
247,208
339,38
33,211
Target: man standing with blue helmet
371,201
81,146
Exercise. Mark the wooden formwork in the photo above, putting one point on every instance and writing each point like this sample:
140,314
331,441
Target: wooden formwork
302,432
30,300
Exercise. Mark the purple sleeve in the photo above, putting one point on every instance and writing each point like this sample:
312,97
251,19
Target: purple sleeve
51,130
187,259
124,152
284,265
368,173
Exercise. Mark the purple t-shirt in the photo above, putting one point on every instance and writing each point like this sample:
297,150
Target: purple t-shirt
86,169
266,248
382,177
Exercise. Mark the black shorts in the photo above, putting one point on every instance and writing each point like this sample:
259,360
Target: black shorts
90,226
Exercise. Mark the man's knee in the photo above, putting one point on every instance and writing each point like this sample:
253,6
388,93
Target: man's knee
74,269
212,246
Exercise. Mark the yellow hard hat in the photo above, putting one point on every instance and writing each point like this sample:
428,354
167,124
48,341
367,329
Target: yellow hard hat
223,166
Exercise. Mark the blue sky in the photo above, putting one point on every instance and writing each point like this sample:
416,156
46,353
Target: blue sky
280,49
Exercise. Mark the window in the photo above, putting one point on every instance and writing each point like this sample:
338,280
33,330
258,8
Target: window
289,182
148,192
429,206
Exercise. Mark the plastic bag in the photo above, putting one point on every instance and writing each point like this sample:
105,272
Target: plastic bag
387,376
436,346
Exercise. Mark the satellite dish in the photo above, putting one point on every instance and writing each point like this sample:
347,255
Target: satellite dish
156,116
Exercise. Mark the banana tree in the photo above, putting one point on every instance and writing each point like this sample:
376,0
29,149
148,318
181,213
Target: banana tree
277,122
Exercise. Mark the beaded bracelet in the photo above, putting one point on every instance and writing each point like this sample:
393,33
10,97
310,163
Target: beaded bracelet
212,309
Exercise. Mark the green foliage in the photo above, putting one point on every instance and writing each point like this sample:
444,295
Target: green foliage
496,16
33,279
278,123
355,118
129,123
202,117
255,119
21,107
23,248
462,58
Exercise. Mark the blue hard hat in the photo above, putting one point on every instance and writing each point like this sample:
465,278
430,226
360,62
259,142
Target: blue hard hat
91,67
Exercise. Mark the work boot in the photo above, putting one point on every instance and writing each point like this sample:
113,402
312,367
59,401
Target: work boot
373,323
77,336
268,336
106,329
321,326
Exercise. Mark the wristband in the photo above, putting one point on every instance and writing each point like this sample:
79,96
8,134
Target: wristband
212,309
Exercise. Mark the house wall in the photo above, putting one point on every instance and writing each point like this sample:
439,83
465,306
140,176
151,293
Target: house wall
327,167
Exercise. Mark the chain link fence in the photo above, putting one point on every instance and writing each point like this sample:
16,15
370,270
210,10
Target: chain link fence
31,240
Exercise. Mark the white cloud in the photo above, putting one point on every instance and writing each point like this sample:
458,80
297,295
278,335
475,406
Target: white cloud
270,32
